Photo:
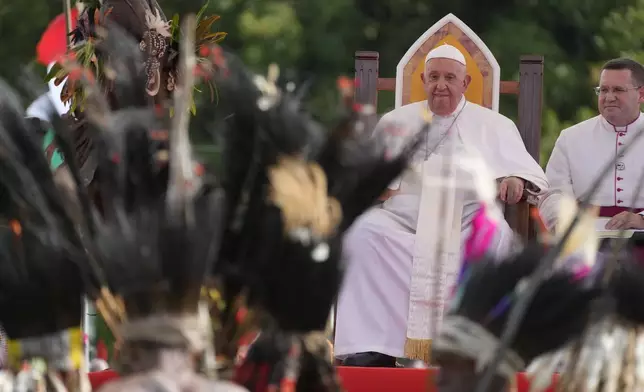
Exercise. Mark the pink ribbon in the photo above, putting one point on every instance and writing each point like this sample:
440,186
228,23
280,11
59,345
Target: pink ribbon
483,230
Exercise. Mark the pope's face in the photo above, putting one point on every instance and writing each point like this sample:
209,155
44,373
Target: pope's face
619,98
445,81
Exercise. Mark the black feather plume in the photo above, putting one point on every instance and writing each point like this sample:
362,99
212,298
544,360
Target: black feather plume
561,306
289,273
267,123
155,263
42,256
626,287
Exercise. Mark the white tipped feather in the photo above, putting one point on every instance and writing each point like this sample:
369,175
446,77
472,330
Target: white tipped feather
268,87
483,182
583,240
482,178
540,371
183,183
479,178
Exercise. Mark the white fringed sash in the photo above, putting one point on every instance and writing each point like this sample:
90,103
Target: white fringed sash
430,283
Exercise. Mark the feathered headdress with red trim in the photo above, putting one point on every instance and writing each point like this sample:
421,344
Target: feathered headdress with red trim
293,189
158,40
53,42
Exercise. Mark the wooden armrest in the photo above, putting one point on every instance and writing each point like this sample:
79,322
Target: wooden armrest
532,200
531,195
518,217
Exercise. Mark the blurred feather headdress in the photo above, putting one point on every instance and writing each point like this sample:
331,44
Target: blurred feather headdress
479,312
159,228
152,240
42,258
609,355
292,189
158,40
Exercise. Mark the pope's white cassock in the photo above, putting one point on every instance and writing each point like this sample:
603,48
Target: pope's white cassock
373,306
577,159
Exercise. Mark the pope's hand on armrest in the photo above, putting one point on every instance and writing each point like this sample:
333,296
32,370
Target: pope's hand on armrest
511,189
530,193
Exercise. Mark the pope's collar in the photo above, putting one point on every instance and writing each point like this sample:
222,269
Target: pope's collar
610,127
456,111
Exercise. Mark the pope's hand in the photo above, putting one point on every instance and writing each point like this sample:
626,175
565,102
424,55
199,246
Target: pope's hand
511,190
626,221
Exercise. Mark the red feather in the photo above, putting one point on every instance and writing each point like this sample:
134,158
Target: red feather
53,42
101,350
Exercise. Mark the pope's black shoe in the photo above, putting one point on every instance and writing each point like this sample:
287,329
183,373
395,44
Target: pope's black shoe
370,359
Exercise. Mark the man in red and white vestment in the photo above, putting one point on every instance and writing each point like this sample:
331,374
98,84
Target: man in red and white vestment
583,149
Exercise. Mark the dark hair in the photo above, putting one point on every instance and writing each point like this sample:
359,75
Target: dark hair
637,69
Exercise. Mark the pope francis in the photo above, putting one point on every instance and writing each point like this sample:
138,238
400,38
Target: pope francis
373,312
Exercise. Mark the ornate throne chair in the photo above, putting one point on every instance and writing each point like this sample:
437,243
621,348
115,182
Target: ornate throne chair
485,88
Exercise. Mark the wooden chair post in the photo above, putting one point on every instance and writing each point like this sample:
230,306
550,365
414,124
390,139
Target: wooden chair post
530,103
367,77
530,106
529,124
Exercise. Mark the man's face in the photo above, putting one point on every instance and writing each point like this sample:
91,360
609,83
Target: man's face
619,98
445,81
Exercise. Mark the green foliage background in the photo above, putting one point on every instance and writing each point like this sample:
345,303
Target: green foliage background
319,37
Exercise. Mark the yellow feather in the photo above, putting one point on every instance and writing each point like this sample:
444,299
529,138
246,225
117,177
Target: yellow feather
584,239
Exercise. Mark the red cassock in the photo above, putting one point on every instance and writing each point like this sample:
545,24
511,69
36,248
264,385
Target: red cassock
53,42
